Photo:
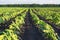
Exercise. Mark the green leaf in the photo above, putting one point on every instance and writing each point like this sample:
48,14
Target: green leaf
1,20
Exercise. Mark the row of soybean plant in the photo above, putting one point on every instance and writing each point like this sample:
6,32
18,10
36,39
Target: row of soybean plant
14,29
7,14
47,31
50,14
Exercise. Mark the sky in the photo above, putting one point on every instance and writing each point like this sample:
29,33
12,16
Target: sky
29,1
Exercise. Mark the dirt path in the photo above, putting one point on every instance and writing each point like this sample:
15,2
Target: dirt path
31,32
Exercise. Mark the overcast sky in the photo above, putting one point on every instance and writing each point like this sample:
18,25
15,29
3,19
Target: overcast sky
29,1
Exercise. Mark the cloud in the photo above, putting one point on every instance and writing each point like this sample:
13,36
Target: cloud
29,1
8,1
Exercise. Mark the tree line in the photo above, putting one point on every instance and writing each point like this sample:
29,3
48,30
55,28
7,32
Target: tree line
30,5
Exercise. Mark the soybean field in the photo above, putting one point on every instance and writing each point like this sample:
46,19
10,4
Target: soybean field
18,23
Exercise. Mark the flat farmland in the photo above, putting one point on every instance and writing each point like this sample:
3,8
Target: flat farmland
30,23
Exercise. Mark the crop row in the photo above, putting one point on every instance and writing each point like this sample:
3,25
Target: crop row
8,15
14,31
47,31
50,15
